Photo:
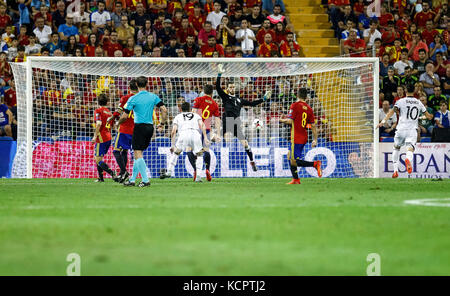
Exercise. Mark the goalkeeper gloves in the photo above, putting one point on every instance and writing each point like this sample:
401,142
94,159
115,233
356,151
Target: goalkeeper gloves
267,95
220,69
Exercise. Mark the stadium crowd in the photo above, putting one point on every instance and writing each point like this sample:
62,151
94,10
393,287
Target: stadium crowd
411,39
149,28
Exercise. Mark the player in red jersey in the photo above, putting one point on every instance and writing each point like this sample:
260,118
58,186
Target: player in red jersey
122,141
206,107
300,115
102,137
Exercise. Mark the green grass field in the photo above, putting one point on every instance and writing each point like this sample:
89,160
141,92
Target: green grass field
227,227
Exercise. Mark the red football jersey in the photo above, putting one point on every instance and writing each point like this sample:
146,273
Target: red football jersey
302,114
128,126
102,114
207,108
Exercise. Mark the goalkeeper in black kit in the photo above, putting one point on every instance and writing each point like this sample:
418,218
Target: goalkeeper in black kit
232,105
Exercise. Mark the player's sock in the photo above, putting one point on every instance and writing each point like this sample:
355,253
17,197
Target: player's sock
249,152
124,154
395,159
192,159
304,163
119,159
135,172
294,172
173,158
142,167
409,155
207,159
100,172
105,167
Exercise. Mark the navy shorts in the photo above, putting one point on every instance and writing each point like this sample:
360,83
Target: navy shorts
102,148
295,150
122,141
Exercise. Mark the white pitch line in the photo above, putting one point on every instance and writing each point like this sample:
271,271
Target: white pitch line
429,202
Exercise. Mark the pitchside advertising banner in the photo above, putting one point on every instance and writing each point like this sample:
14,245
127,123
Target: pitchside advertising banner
65,159
431,160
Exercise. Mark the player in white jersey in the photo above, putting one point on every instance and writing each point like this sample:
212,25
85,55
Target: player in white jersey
408,109
190,128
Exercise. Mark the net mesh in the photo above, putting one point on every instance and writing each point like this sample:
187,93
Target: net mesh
64,99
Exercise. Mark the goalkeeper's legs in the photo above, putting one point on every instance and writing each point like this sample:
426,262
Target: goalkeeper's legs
249,152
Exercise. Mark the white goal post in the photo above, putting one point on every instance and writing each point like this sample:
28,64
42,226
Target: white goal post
56,97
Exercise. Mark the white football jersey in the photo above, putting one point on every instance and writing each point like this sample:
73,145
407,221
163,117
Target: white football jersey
410,108
187,121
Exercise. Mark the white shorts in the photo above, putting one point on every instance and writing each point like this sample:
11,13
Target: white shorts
403,137
191,139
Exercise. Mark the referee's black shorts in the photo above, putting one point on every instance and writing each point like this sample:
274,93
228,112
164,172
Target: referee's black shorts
142,135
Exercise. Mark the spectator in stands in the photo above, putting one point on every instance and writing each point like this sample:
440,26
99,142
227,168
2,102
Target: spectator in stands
246,37
400,94
390,35
225,33
46,15
170,50
167,33
354,47
32,48
267,47
446,35
407,35
156,52
24,12
237,18
389,85
197,19
128,50
400,65
425,125
343,18
350,27
385,17
415,45
255,19
99,52
5,68
187,30
440,65
191,48
403,23
371,34
188,93
435,99
100,19
384,65
82,16
125,31
42,31
59,15
277,17
419,66
280,33
54,44
23,36
260,36
429,79
117,14
395,50
423,16
20,55
390,124
89,48
409,78
143,32
289,46
215,17
11,94
441,117
269,5
112,44
5,19
138,52
445,81
442,13
437,46
209,48
429,33
68,29
149,45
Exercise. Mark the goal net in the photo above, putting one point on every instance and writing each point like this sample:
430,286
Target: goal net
57,97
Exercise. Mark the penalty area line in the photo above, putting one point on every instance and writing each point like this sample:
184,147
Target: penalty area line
429,202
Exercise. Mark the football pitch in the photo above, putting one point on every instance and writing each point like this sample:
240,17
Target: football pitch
227,227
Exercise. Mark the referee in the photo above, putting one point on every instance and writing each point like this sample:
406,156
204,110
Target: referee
231,117
142,104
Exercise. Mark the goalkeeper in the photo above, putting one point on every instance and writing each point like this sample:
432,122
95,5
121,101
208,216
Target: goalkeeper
231,117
